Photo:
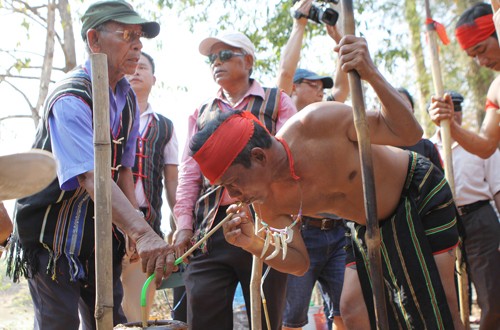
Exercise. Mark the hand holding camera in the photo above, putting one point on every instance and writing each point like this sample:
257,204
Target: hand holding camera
319,12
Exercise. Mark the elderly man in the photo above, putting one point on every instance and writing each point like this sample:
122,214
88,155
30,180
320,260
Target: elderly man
312,167
475,32
55,244
216,268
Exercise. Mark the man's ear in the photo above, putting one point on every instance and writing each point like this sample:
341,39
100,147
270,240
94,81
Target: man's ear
93,40
258,155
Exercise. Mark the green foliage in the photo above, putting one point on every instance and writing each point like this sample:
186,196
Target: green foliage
22,64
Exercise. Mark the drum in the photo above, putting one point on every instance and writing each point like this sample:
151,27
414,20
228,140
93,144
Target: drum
154,325
25,173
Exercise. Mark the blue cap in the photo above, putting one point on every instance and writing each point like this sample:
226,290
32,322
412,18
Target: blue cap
309,75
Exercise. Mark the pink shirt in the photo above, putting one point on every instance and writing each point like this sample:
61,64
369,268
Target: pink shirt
190,177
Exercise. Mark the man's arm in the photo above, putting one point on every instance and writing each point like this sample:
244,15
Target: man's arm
291,53
170,174
155,252
482,145
5,226
395,123
126,183
340,89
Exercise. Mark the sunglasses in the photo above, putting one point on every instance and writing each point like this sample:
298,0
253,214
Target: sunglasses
129,35
223,56
314,85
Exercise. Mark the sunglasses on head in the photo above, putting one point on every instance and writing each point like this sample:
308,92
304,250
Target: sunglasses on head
223,56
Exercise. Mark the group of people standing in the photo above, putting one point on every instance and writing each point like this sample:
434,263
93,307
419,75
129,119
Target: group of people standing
290,155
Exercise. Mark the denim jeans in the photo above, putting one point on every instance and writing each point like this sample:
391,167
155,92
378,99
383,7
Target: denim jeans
327,266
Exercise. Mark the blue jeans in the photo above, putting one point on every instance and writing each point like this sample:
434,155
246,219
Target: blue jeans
327,266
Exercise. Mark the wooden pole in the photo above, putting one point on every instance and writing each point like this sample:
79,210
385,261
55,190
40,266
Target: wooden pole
255,282
102,184
448,161
372,230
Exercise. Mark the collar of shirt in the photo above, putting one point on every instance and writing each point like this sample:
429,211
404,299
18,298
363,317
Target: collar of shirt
149,111
255,89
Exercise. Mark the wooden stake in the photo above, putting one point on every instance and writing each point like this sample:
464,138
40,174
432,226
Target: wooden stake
255,282
448,161
372,230
102,184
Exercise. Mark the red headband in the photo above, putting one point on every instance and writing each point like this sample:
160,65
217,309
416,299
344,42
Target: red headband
469,35
225,144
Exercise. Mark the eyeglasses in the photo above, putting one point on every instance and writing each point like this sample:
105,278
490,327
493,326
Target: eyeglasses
314,85
129,35
224,56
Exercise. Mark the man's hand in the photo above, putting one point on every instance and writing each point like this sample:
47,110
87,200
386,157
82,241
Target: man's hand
354,55
301,7
334,32
157,256
239,231
441,108
182,242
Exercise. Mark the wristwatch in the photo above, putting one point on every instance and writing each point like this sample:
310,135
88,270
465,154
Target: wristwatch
297,14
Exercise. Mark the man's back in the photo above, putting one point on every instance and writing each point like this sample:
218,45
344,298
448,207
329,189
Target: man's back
327,160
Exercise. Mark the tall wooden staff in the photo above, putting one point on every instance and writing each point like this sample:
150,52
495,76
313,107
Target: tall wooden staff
255,282
372,230
448,160
102,186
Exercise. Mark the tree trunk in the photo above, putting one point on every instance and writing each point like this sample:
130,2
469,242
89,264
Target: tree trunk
423,78
47,60
68,44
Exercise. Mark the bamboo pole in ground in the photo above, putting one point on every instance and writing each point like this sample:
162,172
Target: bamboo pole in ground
255,282
372,237
448,160
102,186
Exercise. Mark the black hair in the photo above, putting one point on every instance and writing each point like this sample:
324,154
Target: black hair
260,138
457,100
408,95
473,12
150,59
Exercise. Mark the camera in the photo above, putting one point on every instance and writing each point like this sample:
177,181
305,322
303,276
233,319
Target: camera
320,13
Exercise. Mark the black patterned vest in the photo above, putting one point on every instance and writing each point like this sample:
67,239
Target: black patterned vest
266,110
63,221
149,164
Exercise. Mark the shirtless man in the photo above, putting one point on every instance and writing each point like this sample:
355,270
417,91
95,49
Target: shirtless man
312,168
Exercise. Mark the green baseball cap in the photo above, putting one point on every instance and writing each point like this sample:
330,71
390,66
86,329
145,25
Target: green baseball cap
118,11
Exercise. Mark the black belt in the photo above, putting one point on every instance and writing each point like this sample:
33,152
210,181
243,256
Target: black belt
323,224
466,209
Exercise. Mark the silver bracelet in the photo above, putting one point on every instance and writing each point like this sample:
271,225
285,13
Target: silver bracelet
141,213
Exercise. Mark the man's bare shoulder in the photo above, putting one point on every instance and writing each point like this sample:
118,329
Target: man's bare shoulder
494,91
321,116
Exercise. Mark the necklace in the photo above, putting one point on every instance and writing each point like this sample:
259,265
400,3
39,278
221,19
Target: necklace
282,236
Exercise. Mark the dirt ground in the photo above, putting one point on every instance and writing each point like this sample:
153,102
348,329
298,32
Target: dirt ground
16,312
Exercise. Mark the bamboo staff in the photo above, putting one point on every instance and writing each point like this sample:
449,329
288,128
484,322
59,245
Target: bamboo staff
102,184
372,230
448,160
255,282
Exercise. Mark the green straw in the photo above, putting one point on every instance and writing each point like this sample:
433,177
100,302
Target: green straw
150,279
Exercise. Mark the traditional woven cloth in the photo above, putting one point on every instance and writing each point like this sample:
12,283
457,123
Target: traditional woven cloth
424,223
